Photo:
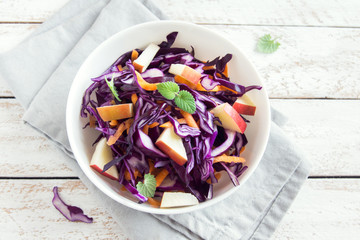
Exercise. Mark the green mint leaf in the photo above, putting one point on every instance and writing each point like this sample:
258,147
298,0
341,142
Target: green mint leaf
168,89
148,187
266,45
185,101
113,88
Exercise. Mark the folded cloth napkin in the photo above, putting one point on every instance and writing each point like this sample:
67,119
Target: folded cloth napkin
49,59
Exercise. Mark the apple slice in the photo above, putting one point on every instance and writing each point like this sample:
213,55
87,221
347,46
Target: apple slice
244,105
101,157
171,144
145,58
186,72
178,199
229,117
116,112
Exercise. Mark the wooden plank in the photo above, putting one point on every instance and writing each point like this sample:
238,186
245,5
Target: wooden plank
26,212
257,12
327,131
24,151
318,127
301,68
324,209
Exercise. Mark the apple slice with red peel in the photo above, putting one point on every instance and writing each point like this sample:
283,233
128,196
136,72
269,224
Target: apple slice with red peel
244,105
229,117
171,144
116,112
101,157
145,58
186,72
178,199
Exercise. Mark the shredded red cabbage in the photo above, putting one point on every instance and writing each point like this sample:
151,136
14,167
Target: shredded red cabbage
72,213
133,149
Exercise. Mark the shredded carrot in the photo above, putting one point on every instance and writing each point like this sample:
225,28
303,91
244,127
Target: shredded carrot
154,125
168,108
112,102
113,138
153,202
161,176
228,159
169,124
127,174
225,72
189,119
223,88
92,121
151,166
123,188
166,125
134,98
208,67
144,84
182,80
113,123
159,102
122,127
146,129
199,87
217,176
120,68
242,149
134,55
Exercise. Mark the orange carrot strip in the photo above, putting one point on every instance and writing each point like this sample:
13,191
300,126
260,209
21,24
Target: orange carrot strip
217,176
134,98
189,119
182,80
161,176
208,67
123,188
144,84
166,125
228,159
222,88
120,68
169,124
113,123
134,55
112,139
122,127
153,202
242,149
92,121
168,108
225,72
146,129
154,125
151,166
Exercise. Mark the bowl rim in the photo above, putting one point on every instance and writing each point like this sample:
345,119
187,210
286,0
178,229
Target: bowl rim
117,197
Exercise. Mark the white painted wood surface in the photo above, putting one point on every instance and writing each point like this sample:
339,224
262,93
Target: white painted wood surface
318,60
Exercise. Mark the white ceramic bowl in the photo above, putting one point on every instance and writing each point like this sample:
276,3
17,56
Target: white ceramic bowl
208,45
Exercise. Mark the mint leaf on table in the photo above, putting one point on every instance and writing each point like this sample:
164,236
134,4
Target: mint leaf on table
185,101
168,89
148,187
113,88
267,45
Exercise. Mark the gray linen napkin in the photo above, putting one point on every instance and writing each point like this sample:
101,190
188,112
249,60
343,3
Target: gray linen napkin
42,86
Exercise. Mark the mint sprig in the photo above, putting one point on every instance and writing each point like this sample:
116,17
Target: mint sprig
183,99
267,45
148,187
112,87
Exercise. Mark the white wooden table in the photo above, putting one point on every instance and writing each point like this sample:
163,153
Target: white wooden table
314,79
